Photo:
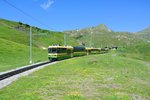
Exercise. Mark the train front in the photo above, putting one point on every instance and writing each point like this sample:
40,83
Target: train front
52,53
59,52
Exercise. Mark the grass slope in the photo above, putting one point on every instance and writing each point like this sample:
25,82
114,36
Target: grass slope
91,77
11,31
14,44
138,51
146,30
14,55
144,34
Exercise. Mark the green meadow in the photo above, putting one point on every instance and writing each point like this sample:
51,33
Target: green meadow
94,77
14,55
14,44
121,74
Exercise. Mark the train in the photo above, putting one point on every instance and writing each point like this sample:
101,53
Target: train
57,52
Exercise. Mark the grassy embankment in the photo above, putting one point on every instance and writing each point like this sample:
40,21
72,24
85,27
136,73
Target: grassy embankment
14,44
105,76
138,51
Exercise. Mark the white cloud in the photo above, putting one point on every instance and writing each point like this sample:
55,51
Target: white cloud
47,4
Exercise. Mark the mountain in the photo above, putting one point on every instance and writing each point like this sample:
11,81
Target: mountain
144,34
14,43
130,45
101,36
144,31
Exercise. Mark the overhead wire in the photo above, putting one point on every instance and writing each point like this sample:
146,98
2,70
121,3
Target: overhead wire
30,16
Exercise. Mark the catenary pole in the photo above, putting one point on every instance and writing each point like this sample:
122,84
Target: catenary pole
64,39
30,45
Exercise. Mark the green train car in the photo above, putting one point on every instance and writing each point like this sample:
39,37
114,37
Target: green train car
63,52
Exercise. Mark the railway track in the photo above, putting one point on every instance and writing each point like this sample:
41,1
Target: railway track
11,73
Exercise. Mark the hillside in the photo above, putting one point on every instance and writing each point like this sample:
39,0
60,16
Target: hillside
13,55
144,34
14,43
93,77
130,44
19,32
146,30
101,36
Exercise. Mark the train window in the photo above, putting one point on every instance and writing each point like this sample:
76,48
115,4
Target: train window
61,50
78,49
52,50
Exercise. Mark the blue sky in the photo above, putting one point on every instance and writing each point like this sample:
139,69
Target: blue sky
60,15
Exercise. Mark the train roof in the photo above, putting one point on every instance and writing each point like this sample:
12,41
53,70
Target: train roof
74,47
57,46
91,48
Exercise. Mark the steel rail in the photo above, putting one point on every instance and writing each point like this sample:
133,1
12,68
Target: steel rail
20,70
